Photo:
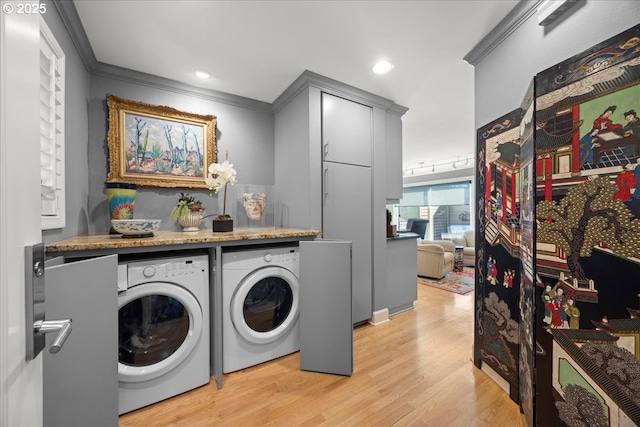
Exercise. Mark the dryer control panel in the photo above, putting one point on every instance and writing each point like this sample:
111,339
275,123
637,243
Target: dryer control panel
250,259
280,257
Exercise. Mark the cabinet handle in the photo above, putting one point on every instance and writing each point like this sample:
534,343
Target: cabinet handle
326,182
326,149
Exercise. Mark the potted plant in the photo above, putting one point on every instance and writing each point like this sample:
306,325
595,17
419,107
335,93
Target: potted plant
391,229
219,175
189,212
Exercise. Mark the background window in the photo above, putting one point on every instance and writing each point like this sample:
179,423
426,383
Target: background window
446,206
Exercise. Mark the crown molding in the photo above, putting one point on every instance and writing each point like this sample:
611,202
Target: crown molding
518,15
71,20
144,79
334,87
398,110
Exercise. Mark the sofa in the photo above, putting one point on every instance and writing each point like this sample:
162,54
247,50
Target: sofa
435,258
468,240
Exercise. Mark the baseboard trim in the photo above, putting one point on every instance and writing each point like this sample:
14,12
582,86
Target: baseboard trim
403,309
379,317
504,384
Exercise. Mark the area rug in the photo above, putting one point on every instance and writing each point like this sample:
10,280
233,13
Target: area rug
458,282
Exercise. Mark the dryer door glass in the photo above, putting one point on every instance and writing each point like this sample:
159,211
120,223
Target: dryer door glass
268,304
151,328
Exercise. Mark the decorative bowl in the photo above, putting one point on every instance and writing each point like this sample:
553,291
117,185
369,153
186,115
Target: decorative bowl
136,227
192,221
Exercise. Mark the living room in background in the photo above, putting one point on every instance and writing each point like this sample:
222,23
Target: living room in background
446,206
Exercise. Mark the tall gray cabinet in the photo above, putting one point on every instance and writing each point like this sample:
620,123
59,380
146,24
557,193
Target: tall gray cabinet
331,171
347,189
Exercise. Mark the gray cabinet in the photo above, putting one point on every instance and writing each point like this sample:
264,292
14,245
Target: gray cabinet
347,215
80,383
326,329
346,131
319,122
393,154
402,271
347,189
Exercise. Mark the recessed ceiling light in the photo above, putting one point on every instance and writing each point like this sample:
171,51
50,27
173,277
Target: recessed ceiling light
383,67
202,74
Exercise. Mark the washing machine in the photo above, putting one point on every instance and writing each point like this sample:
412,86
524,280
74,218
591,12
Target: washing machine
163,327
261,300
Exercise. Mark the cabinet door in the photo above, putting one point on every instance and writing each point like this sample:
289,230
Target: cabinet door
326,328
346,131
393,157
347,216
80,384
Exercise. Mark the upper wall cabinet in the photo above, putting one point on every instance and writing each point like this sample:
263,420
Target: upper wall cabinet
346,131
393,154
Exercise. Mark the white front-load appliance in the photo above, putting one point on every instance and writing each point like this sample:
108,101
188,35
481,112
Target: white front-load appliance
163,326
260,305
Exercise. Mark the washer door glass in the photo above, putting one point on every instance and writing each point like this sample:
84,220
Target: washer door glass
158,325
265,305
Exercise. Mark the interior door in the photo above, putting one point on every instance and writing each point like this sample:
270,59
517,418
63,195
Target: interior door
20,380
81,380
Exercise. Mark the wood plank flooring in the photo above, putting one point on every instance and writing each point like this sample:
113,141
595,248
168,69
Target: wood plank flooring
414,370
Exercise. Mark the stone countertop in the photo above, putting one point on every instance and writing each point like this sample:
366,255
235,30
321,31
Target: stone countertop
165,238
404,235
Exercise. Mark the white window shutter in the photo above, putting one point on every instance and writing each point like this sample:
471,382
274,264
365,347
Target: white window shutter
52,170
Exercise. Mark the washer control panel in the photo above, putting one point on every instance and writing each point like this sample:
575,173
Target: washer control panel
168,269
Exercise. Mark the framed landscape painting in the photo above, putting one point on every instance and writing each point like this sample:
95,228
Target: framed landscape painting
158,146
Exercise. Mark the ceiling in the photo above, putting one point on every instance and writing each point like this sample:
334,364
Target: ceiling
256,49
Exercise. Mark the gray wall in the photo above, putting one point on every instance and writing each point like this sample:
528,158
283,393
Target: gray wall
246,131
502,77
76,119
293,131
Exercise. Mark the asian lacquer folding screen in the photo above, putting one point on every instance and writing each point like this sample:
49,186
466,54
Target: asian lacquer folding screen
587,148
572,198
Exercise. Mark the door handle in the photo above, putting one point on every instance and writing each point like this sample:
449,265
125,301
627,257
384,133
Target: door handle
36,327
62,327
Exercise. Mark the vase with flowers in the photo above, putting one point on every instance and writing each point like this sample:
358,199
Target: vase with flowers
189,212
218,177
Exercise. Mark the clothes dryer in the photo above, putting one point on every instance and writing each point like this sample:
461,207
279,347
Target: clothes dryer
261,298
163,316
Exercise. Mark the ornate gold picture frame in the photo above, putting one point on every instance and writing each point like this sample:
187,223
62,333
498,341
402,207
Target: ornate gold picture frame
158,146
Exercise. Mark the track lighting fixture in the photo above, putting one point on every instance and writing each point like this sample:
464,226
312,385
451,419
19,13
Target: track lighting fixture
446,165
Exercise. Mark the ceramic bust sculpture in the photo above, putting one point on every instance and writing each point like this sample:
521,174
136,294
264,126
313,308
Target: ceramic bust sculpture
254,205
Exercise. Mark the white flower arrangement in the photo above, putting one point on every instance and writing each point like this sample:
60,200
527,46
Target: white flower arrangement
219,175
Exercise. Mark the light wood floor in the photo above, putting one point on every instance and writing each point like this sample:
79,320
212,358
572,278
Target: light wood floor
415,369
